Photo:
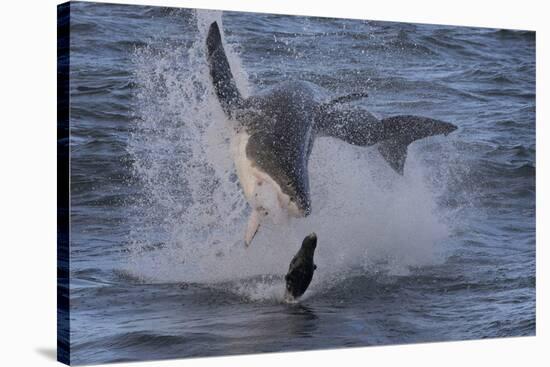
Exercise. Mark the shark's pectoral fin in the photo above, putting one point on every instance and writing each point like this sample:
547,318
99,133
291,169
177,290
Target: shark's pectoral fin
220,71
252,227
394,152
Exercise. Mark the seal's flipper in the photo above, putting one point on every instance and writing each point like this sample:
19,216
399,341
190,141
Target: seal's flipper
394,152
252,227
222,78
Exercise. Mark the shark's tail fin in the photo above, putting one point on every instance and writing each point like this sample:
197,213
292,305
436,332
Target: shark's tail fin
393,134
222,78
400,131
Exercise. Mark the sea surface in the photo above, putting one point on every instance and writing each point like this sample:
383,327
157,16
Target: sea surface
158,267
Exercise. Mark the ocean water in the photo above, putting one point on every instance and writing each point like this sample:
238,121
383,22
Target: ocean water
158,266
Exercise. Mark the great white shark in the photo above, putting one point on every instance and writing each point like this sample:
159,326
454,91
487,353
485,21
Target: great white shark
276,129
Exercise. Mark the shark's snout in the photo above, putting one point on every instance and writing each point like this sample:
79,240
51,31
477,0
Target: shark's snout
299,208
306,210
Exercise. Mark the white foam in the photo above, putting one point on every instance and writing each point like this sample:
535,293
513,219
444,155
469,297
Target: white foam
363,213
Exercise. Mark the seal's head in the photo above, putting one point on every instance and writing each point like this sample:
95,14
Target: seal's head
310,242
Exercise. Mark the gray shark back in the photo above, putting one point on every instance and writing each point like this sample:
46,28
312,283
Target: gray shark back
280,124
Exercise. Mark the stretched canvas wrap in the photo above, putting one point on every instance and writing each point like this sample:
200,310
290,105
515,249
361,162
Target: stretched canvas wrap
236,183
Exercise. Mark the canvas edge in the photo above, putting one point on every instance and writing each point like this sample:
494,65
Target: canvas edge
63,195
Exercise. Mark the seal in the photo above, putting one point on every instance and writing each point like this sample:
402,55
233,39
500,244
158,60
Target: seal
300,271
276,129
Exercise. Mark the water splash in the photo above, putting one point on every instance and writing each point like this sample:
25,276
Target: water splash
364,214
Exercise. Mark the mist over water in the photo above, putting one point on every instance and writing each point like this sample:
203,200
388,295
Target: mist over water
159,268
362,210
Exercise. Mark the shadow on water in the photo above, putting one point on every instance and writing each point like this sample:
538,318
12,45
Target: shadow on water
303,311
301,320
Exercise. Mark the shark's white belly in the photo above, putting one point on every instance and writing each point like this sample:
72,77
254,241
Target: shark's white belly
262,192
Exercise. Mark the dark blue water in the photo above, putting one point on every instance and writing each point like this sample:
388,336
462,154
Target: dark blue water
158,268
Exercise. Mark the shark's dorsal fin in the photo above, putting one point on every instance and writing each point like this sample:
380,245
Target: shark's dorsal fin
348,98
343,99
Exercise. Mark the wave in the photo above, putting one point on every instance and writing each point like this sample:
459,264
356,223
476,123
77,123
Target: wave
515,34
355,285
